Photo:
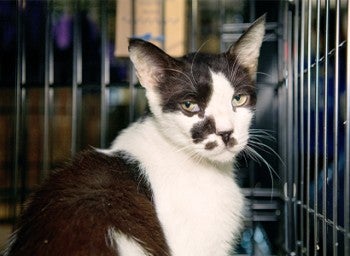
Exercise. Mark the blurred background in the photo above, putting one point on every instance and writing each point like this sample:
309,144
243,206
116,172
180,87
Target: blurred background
66,84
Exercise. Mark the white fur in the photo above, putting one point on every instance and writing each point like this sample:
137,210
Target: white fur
126,246
196,198
199,204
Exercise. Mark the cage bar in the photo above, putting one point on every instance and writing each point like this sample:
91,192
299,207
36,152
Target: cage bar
132,73
290,107
308,126
105,74
307,104
194,25
302,128
19,81
325,132
76,76
347,142
335,132
296,73
316,120
48,81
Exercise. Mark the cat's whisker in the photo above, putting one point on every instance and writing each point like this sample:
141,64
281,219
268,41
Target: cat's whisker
262,133
255,136
254,139
265,74
184,148
262,136
267,149
233,70
182,73
237,80
259,157
252,153
194,58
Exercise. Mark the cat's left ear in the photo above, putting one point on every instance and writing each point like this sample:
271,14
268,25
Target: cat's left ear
247,48
150,62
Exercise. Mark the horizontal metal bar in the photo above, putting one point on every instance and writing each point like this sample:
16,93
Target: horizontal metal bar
239,27
262,192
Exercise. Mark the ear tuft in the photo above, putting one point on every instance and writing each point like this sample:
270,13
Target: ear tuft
149,62
247,48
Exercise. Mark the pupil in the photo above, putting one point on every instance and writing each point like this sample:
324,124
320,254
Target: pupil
187,104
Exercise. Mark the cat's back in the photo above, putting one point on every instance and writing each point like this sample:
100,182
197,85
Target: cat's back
89,207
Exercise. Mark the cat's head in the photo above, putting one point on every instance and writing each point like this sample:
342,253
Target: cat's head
203,103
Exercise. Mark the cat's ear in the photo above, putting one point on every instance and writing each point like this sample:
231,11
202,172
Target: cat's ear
247,48
149,61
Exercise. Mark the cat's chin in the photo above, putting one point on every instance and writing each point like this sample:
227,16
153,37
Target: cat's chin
224,157
219,156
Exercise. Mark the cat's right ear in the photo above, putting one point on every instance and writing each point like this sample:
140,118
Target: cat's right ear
247,48
149,61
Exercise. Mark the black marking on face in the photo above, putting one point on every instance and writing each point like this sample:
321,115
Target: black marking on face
201,130
231,143
240,78
225,136
184,82
211,145
189,79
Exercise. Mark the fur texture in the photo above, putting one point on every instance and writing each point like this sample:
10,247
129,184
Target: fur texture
166,185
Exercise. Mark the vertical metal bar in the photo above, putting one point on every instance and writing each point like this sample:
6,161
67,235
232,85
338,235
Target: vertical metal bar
295,118
252,10
19,94
105,74
335,131
222,15
302,126
77,75
132,75
163,30
194,25
325,132
290,121
347,142
316,106
308,127
47,82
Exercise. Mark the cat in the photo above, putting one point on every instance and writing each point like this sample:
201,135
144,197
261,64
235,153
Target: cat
166,185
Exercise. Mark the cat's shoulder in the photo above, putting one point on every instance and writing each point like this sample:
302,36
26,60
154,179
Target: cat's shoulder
93,171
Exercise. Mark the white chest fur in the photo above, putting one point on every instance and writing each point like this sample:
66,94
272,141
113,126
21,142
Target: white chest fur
199,204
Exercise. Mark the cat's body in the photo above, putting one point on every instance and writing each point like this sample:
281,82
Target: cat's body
186,192
166,185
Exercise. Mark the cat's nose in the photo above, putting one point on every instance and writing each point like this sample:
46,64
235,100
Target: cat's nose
225,136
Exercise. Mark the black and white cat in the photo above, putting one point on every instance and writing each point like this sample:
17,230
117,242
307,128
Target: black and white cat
166,185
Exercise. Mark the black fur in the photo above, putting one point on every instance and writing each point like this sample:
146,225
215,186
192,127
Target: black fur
71,213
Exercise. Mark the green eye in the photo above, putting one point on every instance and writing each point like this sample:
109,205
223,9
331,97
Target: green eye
190,106
239,100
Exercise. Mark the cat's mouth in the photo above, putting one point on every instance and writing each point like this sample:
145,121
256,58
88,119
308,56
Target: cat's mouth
218,147
228,144
223,149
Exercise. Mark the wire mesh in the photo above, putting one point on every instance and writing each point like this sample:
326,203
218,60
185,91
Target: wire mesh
321,139
77,97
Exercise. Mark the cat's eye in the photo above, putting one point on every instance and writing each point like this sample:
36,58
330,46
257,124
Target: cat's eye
190,106
239,100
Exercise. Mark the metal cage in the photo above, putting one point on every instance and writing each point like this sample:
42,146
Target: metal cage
62,90
316,116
